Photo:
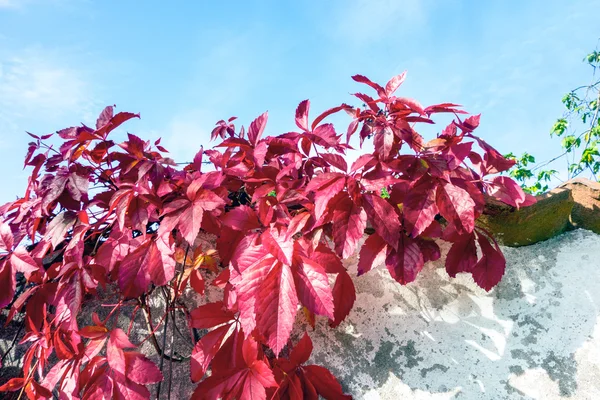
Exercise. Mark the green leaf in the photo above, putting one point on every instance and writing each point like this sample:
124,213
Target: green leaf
384,193
559,127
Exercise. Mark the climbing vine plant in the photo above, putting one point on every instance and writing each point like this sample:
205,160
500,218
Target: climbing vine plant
283,211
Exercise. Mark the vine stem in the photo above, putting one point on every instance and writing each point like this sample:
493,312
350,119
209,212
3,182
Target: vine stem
174,322
164,342
12,344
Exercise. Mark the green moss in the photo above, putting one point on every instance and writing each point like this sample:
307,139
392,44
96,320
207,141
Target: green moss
549,217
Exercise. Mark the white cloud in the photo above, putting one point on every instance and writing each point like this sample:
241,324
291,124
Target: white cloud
365,20
41,86
10,3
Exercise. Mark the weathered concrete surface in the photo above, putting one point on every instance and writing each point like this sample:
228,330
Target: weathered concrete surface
535,336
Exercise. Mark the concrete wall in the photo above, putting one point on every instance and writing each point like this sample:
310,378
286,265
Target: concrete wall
536,335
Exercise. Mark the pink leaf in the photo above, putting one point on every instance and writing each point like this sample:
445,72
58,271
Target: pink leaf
276,307
210,315
507,190
302,115
462,256
349,223
419,207
490,268
405,263
372,253
344,295
313,288
394,83
364,79
456,206
140,369
335,160
257,127
383,217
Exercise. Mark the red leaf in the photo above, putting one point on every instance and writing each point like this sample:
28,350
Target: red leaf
197,282
419,207
302,115
383,217
210,315
456,206
205,351
349,223
276,307
119,339
242,218
114,123
93,332
507,190
257,127
301,352
394,83
372,253
335,160
129,390
364,79
324,382
462,256
8,283
405,263
361,161
279,244
384,141
313,288
105,116
6,237
344,295
101,388
412,104
12,385
146,263
325,186
140,369
490,268
327,113
22,261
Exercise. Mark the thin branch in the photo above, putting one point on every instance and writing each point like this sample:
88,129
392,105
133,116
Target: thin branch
12,344
153,338
164,343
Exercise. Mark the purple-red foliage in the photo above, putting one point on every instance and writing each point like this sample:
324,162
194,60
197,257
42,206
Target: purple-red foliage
285,211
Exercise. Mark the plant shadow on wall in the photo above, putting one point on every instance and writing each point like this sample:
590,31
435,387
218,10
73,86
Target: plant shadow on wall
123,218
445,336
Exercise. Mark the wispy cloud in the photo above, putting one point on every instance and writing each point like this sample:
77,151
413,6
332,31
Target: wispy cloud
37,85
11,3
363,21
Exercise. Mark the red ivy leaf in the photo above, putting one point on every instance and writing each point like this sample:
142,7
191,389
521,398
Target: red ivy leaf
349,223
344,295
456,206
462,256
490,268
420,207
394,83
257,128
302,115
383,217
372,253
406,262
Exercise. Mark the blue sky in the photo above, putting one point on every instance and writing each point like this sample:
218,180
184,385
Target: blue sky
185,65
